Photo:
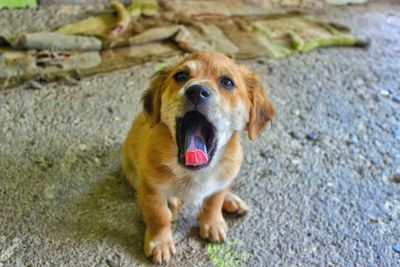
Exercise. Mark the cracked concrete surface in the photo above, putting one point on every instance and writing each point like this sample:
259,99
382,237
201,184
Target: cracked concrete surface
318,182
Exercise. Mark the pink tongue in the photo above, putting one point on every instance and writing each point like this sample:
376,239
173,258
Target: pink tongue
195,157
196,149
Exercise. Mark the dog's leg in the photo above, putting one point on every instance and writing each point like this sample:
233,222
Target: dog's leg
234,204
158,242
175,205
212,223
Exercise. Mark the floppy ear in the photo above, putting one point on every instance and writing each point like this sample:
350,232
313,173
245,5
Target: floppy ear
261,109
151,98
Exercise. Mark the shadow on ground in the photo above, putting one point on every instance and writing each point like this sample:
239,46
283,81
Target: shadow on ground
105,211
75,195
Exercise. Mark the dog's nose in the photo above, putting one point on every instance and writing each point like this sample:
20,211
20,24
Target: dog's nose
197,94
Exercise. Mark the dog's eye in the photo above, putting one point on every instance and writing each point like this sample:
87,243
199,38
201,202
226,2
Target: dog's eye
226,82
181,76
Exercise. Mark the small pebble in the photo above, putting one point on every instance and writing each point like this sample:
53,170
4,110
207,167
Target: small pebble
296,135
296,162
384,92
396,99
352,140
272,173
396,247
312,136
82,147
113,260
395,177
396,133
354,151
375,161
76,121
361,171
372,217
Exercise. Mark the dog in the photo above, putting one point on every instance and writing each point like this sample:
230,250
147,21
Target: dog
185,146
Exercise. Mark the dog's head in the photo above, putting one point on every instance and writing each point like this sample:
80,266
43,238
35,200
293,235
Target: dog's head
204,99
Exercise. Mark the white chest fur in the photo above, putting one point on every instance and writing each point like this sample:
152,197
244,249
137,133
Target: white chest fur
202,185
194,186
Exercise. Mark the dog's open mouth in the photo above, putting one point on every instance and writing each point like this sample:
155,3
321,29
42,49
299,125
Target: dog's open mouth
196,140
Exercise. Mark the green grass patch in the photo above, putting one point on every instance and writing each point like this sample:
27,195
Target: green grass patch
17,3
229,254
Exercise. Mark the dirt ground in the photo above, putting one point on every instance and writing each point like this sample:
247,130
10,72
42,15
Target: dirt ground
321,182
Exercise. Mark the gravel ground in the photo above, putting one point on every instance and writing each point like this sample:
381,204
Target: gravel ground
321,182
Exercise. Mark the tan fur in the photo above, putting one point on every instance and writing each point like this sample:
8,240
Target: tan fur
150,150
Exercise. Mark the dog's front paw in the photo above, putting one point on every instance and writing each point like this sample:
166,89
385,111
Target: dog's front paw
159,248
234,204
214,230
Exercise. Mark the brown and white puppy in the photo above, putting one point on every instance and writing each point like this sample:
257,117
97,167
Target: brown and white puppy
185,145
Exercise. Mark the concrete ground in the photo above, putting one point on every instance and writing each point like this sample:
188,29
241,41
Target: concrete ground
320,182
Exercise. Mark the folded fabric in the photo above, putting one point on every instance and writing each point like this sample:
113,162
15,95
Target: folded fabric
144,31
